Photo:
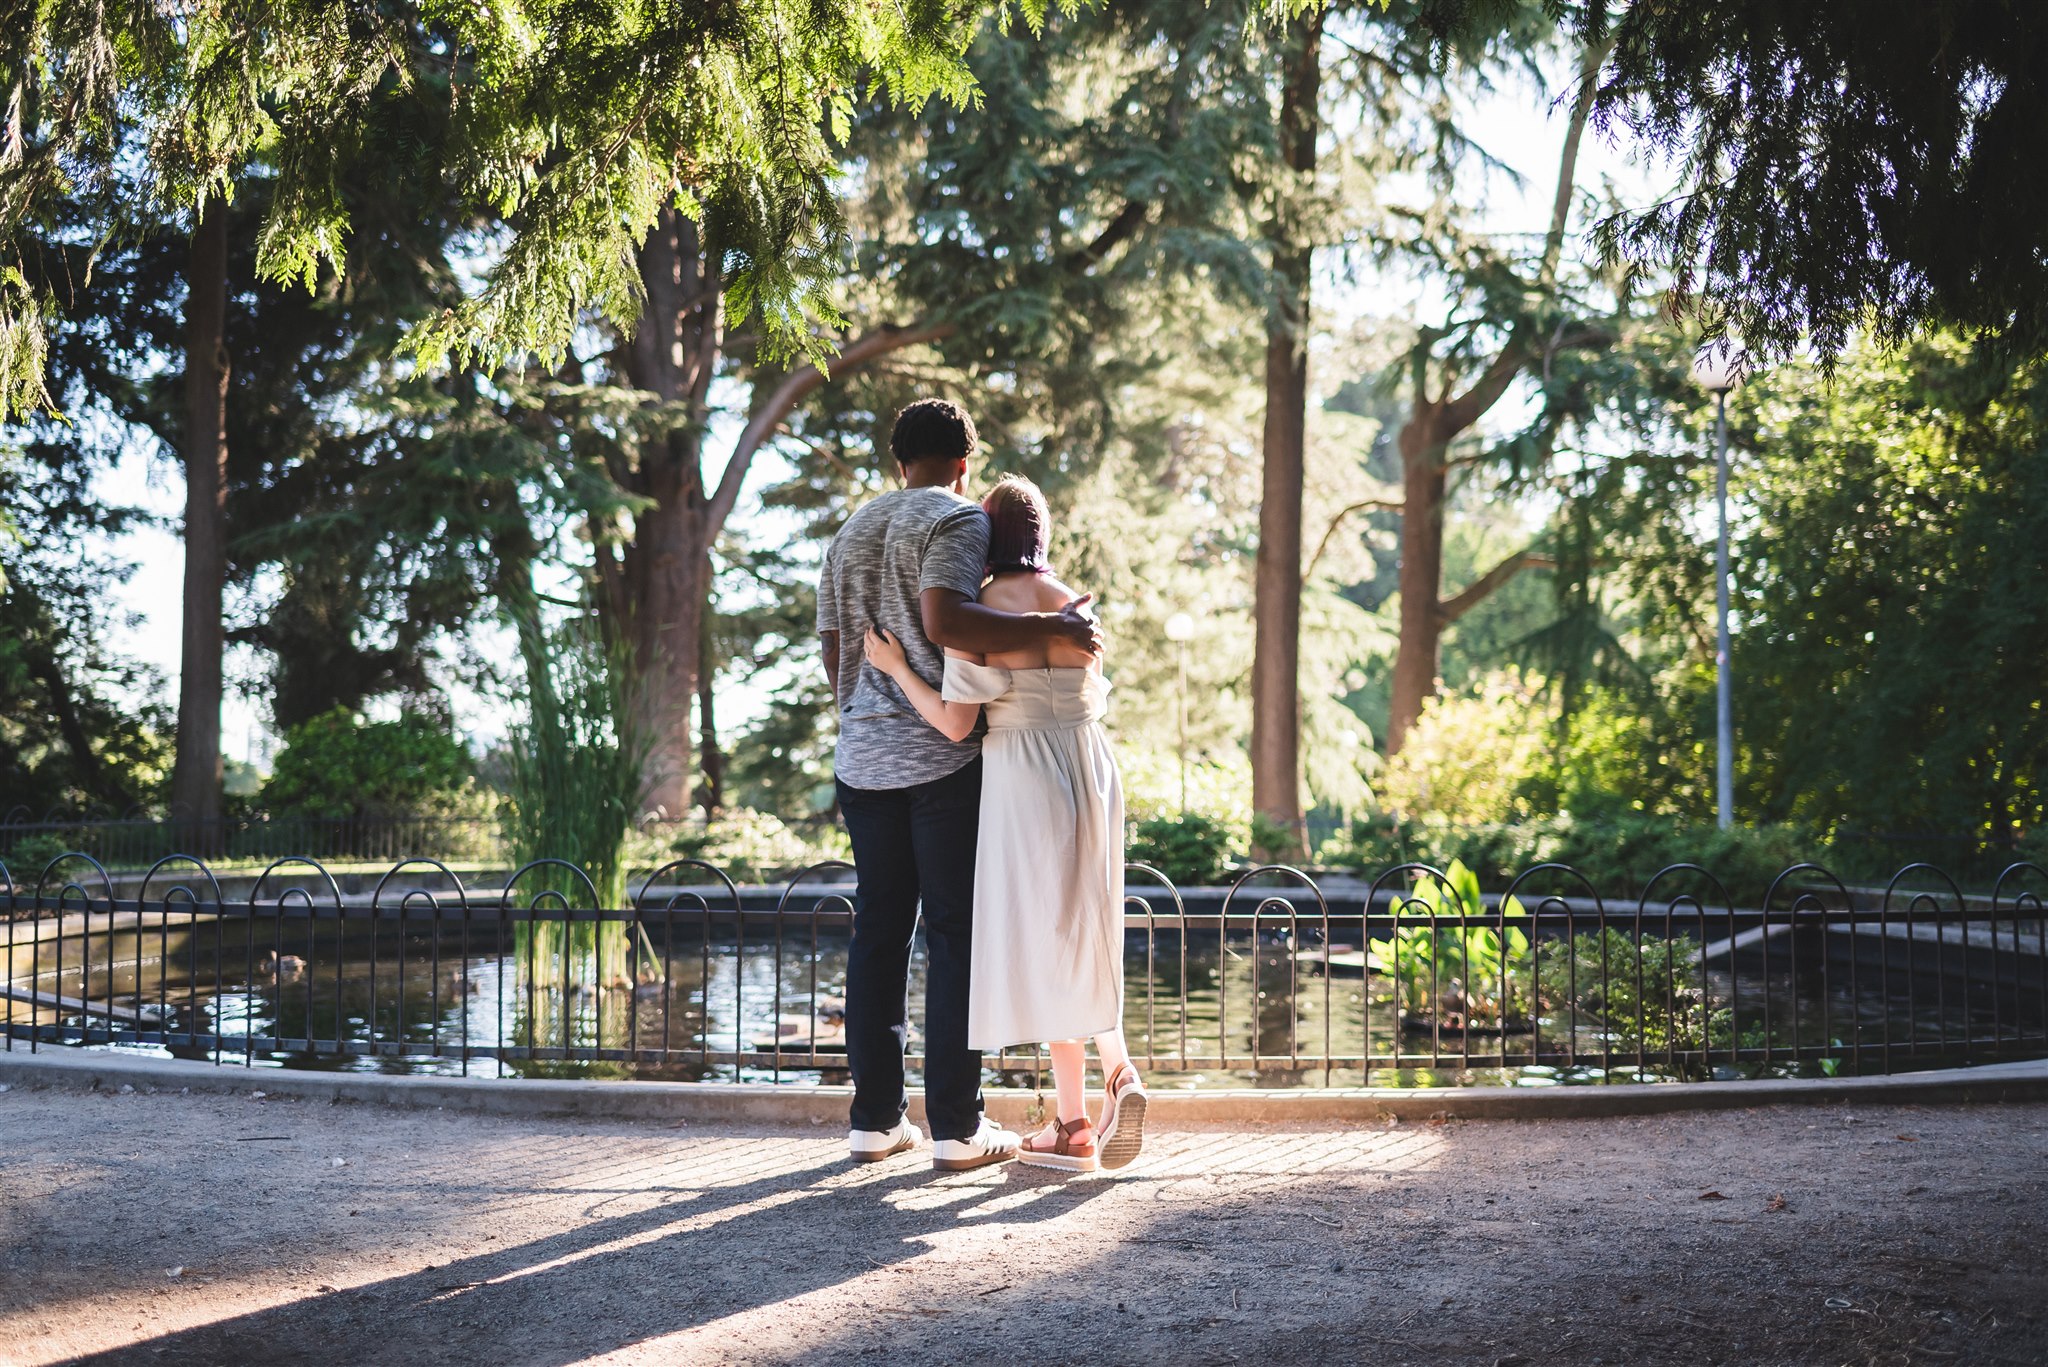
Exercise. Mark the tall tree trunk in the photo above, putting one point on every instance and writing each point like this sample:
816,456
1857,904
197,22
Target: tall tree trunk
196,773
659,588
1423,481
1276,657
674,582
673,355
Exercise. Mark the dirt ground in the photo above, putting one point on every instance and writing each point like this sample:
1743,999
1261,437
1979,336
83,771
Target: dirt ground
168,1229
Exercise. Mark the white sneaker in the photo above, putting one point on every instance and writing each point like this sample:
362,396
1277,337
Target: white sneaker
872,1146
989,1144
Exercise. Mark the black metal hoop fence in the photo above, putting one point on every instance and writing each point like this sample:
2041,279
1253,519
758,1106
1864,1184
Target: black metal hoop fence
1419,977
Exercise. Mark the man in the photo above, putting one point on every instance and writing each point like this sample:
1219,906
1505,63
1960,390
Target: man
911,563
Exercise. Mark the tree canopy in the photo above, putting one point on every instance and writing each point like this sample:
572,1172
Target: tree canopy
1893,628
635,459
575,123
1849,164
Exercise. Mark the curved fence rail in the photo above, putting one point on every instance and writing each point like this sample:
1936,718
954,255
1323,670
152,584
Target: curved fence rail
1418,977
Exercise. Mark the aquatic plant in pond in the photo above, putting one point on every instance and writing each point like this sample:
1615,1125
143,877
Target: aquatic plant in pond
573,784
1613,992
576,981
573,765
1456,976
1650,997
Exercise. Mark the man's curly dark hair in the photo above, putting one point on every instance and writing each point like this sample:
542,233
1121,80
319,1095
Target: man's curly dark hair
933,429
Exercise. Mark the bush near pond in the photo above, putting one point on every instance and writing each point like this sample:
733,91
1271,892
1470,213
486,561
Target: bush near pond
1193,850
338,766
1649,996
27,857
1617,857
752,847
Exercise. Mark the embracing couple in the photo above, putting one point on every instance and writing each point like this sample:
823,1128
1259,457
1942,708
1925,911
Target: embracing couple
976,782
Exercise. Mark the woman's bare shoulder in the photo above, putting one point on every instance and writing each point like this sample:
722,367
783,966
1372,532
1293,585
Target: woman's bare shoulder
1025,593
1052,594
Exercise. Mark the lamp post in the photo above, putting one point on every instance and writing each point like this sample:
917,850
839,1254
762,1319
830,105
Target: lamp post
1180,629
1718,367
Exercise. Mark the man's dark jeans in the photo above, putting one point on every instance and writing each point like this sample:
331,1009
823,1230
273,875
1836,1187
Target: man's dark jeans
910,845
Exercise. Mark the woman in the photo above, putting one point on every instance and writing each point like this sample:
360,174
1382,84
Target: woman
1049,877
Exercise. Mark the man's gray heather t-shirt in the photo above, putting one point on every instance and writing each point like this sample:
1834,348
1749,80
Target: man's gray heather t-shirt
888,553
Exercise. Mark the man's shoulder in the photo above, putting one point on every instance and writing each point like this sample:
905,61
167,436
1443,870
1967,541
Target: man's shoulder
937,504
871,519
907,509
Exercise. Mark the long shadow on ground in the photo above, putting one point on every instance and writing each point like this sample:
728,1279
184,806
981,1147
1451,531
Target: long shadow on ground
652,1272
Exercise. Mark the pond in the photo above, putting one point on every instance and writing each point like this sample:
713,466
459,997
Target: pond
1201,1009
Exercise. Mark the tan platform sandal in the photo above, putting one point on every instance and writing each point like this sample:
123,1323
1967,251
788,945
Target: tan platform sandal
1123,1117
1066,1150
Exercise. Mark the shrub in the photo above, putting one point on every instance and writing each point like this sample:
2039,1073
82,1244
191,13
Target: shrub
1273,842
337,765
1618,857
2033,847
1650,996
1192,850
1621,856
1470,755
752,847
29,856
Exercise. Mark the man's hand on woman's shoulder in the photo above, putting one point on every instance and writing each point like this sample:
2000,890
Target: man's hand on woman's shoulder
1081,627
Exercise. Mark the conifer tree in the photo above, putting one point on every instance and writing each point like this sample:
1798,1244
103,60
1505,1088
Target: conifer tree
1451,393
1011,237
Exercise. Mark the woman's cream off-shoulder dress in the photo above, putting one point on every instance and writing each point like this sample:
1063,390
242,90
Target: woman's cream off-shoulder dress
1049,874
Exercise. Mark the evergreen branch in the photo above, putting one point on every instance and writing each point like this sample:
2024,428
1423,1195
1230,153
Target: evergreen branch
1567,172
831,458
1379,505
1463,411
1128,220
1482,588
1457,414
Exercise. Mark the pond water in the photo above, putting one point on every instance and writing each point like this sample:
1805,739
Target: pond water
1200,1011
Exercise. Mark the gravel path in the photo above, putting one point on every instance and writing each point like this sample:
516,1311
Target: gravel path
185,1229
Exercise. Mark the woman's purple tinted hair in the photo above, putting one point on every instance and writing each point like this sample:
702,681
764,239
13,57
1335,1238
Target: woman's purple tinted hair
1018,524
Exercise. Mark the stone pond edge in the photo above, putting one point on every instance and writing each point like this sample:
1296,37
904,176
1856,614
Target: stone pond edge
824,1105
